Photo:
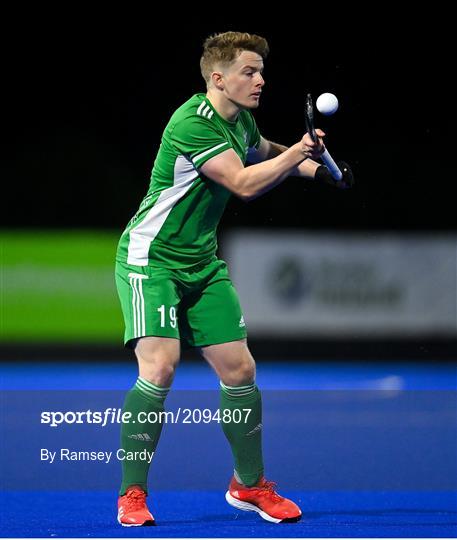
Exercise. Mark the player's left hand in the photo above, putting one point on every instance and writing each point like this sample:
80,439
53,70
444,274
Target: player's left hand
311,149
323,174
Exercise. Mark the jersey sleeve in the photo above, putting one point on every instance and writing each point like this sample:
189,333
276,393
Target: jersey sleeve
199,139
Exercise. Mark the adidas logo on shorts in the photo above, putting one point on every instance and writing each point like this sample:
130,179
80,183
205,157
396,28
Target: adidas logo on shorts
242,323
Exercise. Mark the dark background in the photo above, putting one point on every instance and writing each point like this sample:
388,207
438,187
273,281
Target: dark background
89,95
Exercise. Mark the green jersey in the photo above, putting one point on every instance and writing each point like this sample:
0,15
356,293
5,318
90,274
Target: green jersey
175,225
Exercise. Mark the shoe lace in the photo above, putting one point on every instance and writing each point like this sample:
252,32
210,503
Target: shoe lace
135,499
269,489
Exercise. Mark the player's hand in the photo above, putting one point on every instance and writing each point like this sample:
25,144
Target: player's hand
312,149
323,174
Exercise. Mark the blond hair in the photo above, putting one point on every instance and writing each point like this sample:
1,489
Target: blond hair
225,47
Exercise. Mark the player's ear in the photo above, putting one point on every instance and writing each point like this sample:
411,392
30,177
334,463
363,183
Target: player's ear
217,80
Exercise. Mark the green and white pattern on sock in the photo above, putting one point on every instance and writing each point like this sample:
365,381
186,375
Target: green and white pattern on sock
148,389
238,391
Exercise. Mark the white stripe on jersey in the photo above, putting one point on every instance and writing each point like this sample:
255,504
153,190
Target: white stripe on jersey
207,112
202,104
203,154
141,236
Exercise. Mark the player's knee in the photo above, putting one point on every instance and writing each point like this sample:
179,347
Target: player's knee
157,370
243,374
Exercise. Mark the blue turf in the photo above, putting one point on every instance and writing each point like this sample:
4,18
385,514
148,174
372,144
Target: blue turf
366,450
205,514
270,375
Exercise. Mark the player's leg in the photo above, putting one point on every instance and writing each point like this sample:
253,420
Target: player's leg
216,325
211,319
149,306
239,398
157,359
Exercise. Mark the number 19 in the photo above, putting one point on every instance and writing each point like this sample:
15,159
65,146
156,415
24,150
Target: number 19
172,316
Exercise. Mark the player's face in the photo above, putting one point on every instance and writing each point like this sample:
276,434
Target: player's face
243,80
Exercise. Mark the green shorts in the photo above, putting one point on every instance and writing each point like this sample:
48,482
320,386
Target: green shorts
199,306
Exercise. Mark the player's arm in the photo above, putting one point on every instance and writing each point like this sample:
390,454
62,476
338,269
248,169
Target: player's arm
307,169
269,149
250,182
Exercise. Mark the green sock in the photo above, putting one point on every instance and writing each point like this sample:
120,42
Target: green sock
245,437
144,398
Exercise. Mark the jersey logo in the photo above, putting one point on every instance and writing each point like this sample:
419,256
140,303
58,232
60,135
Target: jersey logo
205,110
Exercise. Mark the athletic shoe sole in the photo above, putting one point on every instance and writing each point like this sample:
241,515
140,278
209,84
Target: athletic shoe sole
248,507
147,523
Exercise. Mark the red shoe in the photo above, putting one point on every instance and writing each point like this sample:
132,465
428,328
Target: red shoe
132,509
262,498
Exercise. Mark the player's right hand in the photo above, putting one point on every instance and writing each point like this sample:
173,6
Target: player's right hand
311,149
